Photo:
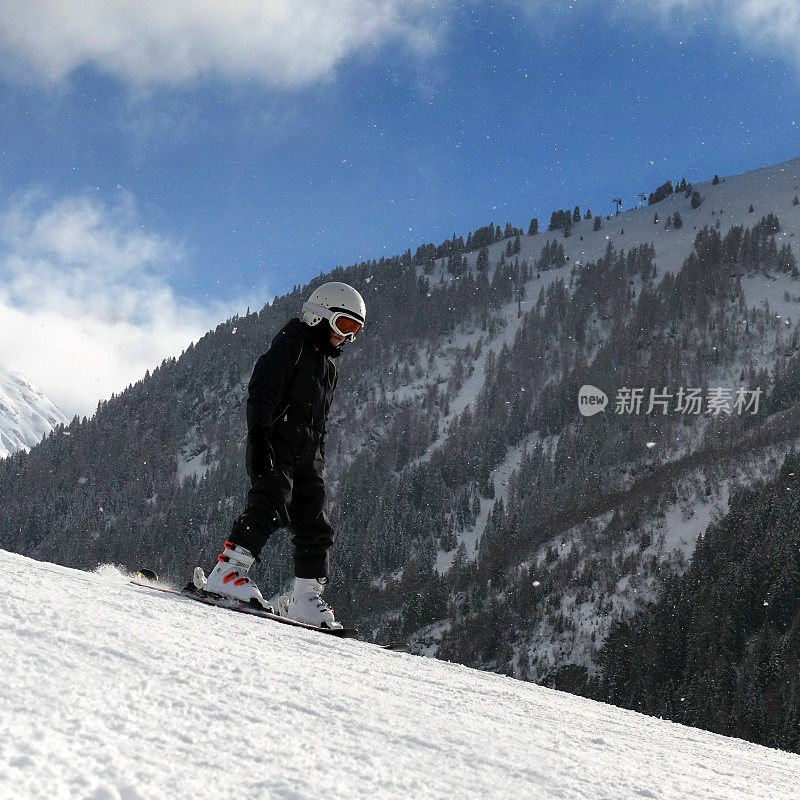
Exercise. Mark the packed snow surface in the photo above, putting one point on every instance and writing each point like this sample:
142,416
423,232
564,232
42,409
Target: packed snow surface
110,691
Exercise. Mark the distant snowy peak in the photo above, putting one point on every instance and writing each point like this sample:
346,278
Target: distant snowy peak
26,414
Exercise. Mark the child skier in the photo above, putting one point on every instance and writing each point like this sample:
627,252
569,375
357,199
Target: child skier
289,397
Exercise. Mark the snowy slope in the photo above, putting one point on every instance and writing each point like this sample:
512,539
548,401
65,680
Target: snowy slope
26,415
114,692
769,189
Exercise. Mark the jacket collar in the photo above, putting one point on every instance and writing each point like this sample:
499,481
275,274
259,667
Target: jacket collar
318,336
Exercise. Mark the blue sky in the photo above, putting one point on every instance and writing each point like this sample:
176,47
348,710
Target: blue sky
221,160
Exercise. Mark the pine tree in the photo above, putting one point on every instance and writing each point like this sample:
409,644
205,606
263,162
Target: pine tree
659,194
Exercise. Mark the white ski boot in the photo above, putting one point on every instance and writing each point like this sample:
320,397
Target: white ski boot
229,577
305,604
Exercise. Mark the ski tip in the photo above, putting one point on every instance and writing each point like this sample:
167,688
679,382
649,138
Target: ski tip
146,575
342,633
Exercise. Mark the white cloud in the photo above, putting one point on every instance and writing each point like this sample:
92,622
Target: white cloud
769,26
761,22
288,43
86,306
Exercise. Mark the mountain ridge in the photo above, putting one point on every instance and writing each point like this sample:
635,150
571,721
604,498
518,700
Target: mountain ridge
26,414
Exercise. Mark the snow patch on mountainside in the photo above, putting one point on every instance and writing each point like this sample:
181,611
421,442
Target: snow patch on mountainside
500,477
683,524
194,459
661,543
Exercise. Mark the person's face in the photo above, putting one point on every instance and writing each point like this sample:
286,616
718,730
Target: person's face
336,340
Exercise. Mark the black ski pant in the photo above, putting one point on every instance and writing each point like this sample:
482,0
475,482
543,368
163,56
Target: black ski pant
293,495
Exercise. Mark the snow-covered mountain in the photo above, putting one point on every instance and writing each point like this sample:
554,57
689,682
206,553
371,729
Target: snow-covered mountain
114,691
26,414
478,514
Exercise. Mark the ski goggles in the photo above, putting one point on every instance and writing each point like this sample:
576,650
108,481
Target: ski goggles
341,321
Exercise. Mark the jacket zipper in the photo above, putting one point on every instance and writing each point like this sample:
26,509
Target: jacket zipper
297,361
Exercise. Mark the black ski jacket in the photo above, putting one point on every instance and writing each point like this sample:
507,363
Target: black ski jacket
290,392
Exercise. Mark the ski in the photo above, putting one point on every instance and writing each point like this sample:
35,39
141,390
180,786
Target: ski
191,592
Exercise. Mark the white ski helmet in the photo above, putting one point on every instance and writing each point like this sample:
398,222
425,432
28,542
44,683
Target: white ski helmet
340,304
